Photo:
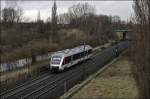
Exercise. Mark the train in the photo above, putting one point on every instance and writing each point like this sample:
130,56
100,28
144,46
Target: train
61,60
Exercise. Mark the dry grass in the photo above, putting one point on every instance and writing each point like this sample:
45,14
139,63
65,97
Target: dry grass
66,39
115,82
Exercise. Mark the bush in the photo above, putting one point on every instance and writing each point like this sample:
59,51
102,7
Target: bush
66,39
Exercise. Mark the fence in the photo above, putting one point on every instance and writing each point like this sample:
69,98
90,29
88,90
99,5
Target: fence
22,63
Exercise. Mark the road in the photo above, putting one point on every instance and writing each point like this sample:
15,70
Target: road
54,85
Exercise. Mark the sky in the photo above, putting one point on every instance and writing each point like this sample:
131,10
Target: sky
31,8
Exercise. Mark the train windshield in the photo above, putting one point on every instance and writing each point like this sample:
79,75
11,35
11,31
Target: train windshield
56,59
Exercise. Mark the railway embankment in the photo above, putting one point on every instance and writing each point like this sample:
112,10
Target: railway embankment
114,82
11,78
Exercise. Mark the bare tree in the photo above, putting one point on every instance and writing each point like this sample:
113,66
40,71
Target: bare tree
9,15
63,18
0,15
19,14
141,48
83,16
39,16
40,26
80,10
78,14
12,12
54,20
116,20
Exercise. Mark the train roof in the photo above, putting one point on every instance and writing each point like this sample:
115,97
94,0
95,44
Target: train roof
68,52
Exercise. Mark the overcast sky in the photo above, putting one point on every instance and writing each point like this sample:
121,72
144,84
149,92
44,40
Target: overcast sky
31,8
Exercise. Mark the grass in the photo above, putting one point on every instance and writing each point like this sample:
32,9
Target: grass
115,82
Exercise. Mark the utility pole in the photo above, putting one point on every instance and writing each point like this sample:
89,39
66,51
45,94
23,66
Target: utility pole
83,61
39,16
84,72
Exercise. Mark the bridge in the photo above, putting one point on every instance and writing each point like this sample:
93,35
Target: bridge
123,34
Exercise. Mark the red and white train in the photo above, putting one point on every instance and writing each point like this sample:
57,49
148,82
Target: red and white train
69,57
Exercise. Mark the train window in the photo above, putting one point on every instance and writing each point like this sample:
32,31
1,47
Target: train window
56,59
89,51
86,53
76,56
69,59
82,54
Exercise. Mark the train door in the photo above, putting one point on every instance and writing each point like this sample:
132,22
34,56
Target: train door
67,61
71,60
86,54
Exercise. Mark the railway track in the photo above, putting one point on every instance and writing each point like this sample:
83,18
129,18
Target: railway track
74,76
35,84
5,89
33,89
51,85
23,84
36,81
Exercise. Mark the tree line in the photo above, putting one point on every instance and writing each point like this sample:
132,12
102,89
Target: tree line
32,38
140,50
80,24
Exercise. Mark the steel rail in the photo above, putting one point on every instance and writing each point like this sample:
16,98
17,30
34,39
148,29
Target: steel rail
54,83
23,84
22,88
58,83
50,83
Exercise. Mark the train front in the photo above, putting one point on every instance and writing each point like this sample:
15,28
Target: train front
56,63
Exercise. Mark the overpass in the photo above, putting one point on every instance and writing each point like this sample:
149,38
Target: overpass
123,34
